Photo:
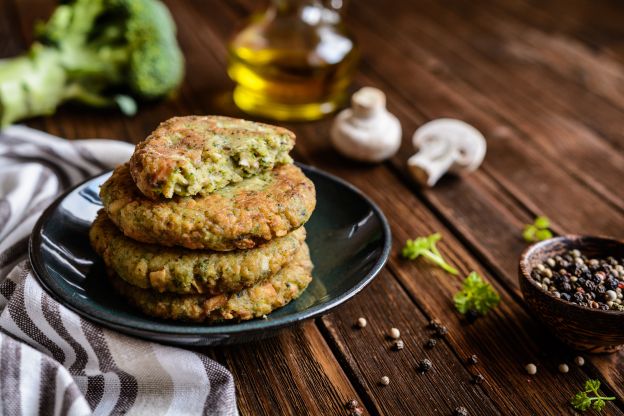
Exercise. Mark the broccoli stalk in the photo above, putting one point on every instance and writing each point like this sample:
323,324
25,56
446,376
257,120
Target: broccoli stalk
97,52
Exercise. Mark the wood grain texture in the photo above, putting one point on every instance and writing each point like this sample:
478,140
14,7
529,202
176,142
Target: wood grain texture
543,81
506,340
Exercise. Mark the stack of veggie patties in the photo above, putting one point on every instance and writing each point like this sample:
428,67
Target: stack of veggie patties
205,222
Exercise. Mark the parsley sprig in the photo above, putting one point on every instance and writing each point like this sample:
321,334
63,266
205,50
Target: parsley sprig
476,295
590,397
537,231
426,247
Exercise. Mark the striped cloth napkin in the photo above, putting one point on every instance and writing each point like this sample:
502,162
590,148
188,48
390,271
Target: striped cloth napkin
53,362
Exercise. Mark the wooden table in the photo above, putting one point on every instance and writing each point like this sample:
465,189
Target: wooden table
544,81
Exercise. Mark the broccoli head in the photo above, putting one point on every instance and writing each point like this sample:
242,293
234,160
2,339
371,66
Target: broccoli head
98,52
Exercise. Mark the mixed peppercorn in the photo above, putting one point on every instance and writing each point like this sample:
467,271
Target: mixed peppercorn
593,283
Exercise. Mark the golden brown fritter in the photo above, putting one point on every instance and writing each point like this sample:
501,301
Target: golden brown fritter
239,216
197,155
180,270
253,302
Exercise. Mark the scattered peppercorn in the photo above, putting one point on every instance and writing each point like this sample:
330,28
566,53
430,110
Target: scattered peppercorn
352,404
460,411
431,342
434,324
563,368
590,282
441,331
358,411
361,322
478,379
580,361
473,359
471,315
384,381
531,369
424,365
398,345
394,333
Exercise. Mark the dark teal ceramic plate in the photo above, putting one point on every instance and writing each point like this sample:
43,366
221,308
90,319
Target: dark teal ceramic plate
348,235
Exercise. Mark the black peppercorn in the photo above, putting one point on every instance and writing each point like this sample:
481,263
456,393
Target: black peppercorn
434,324
478,379
566,297
352,404
611,283
578,298
566,287
424,365
460,411
473,359
471,315
442,331
590,286
431,343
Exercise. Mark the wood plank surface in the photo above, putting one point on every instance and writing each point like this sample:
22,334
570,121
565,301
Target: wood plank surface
543,80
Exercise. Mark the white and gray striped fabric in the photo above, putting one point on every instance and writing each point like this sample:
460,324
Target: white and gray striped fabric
53,362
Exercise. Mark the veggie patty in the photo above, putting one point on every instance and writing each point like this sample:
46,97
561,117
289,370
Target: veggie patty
180,270
197,155
239,216
253,302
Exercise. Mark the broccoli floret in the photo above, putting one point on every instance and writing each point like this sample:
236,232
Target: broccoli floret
98,52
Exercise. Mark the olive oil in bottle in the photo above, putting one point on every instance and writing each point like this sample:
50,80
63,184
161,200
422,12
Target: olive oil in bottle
295,61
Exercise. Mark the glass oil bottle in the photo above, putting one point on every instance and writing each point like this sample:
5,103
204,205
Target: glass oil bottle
294,61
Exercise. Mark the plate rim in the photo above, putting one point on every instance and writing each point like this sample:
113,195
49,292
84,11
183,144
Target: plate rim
226,330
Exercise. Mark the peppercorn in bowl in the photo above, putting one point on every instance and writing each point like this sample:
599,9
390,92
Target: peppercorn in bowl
574,285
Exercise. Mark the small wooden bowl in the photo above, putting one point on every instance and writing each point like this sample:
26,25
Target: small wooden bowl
585,329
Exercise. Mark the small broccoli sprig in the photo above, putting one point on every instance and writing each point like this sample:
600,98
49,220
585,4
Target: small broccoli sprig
538,231
590,397
426,247
476,296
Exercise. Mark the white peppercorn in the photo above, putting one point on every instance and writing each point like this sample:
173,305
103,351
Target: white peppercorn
395,333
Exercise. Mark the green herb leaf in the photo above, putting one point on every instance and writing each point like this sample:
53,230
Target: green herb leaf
538,231
476,295
580,401
590,398
592,385
542,235
599,405
541,222
426,247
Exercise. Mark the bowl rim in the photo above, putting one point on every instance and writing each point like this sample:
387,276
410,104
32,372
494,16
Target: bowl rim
530,250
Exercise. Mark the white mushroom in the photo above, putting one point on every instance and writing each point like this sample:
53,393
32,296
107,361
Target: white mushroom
367,131
445,145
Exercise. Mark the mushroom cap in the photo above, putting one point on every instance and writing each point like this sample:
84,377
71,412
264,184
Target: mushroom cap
441,136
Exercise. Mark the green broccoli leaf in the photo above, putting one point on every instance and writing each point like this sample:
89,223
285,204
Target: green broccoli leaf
477,295
426,247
